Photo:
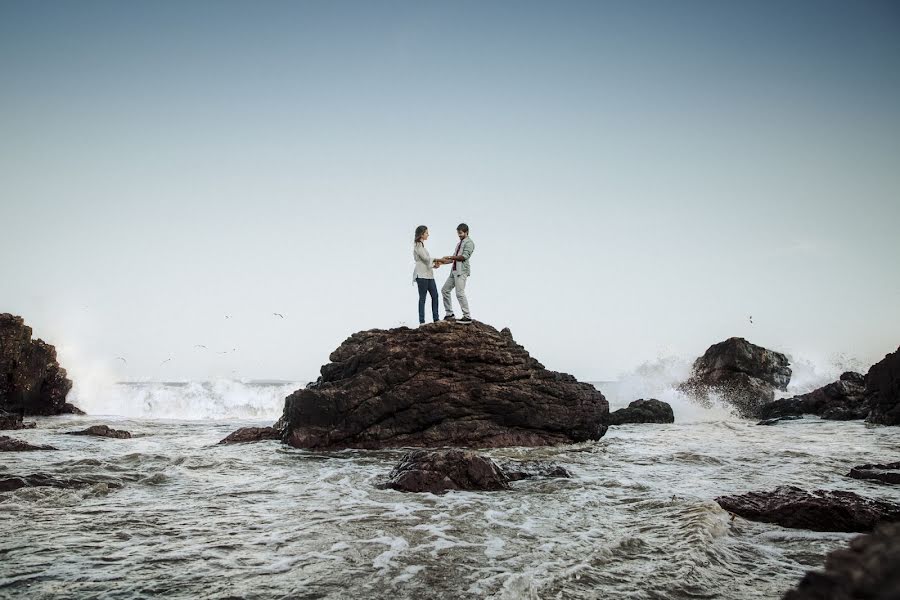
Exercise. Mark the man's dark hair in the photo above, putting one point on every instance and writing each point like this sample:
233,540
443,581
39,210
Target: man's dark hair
462,227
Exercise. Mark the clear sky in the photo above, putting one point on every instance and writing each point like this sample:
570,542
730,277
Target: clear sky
639,177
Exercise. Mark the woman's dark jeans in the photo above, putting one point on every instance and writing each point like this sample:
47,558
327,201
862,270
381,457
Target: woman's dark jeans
427,286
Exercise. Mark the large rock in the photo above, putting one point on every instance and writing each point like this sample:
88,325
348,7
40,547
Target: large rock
744,374
103,431
643,411
883,385
444,384
886,473
819,510
843,400
31,381
10,421
439,471
8,444
253,434
868,568
8,484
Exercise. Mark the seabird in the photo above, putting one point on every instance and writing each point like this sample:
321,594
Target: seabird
278,315
751,319
227,316
200,346
122,359
165,361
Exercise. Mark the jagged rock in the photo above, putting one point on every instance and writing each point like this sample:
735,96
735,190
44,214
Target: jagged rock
8,444
439,471
643,411
883,387
853,377
744,374
867,568
842,400
253,434
887,473
8,484
9,421
437,386
818,510
102,431
31,381
517,470
778,420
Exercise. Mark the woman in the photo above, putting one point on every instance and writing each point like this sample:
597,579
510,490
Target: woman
424,274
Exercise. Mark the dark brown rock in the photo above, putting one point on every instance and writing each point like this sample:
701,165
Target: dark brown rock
744,374
643,411
31,380
778,420
439,471
516,470
9,421
8,484
883,386
8,444
819,510
842,400
886,473
102,431
253,434
441,385
869,568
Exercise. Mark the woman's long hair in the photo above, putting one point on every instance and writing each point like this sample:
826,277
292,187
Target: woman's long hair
420,231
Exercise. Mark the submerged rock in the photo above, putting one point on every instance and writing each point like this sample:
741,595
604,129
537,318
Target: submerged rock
743,374
441,385
253,434
8,484
887,473
31,380
883,387
517,470
643,411
103,431
867,568
439,471
842,400
8,444
819,510
778,420
9,421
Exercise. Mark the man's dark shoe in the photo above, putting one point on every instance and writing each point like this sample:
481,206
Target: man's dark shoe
465,320
449,317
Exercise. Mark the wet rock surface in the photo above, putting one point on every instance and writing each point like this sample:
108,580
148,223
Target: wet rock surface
643,411
883,387
8,484
253,434
441,385
868,568
102,431
12,422
778,420
885,473
842,400
818,510
439,471
8,444
516,470
31,380
744,374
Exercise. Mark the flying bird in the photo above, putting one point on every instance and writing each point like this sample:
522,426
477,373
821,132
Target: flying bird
227,316
122,359
278,315
200,346
165,361
751,319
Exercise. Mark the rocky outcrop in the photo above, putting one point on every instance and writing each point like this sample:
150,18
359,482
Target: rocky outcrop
819,510
102,431
643,411
10,421
743,374
439,471
516,470
437,386
883,387
843,400
886,473
8,484
8,444
867,568
31,381
778,420
253,434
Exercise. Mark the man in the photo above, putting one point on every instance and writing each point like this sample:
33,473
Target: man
458,275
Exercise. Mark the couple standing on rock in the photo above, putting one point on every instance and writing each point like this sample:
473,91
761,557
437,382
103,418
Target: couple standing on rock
459,273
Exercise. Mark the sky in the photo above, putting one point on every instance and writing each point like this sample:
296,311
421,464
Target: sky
639,177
